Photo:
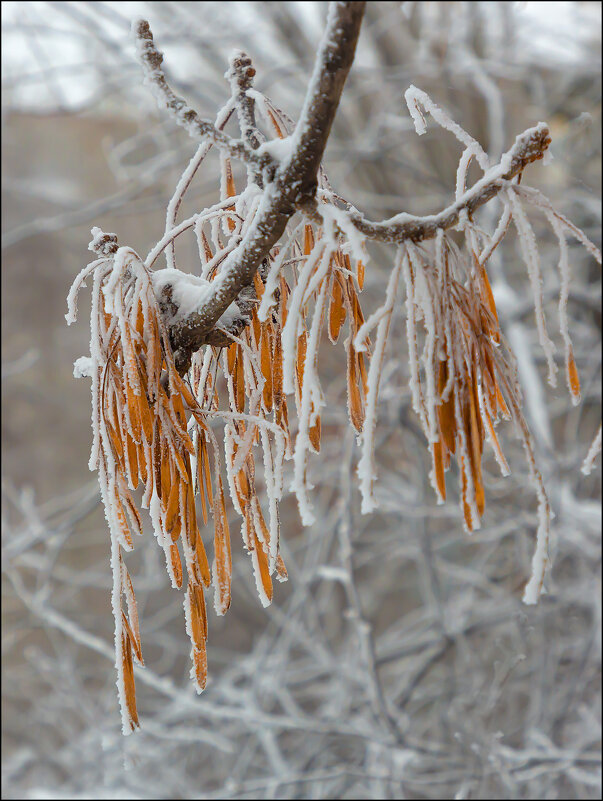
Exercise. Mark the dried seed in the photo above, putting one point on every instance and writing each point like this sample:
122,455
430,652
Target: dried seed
266,366
173,504
360,273
308,240
131,451
123,523
231,357
207,251
438,469
176,564
118,449
200,664
146,418
277,371
275,125
260,561
284,296
222,553
197,615
258,285
200,479
355,408
207,475
132,409
230,191
281,570
302,344
337,311
446,414
133,515
466,508
314,435
572,375
128,680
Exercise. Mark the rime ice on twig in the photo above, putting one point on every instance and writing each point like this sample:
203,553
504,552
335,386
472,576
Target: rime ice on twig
561,227
531,257
529,146
151,58
187,176
593,452
415,98
366,470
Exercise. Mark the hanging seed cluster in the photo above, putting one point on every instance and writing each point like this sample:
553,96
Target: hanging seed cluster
141,442
463,373
154,446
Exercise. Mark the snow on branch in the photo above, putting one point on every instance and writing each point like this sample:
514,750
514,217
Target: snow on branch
294,180
151,59
529,146
240,76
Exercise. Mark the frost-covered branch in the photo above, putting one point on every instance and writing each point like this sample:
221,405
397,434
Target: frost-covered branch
529,146
294,183
151,59
240,76
268,286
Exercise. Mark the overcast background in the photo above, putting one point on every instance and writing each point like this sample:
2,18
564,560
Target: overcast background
398,660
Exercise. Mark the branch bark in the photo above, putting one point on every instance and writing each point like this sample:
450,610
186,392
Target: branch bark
184,115
293,183
240,76
529,146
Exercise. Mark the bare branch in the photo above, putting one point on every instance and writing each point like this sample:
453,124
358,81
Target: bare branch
294,182
240,76
529,146
333,62
151,59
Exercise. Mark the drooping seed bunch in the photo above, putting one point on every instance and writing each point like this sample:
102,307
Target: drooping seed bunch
460,380
140,441
153,443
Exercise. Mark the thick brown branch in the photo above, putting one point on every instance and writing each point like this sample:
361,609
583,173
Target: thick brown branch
296,178
334,61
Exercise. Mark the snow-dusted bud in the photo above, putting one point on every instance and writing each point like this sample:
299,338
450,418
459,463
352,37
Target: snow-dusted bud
102,244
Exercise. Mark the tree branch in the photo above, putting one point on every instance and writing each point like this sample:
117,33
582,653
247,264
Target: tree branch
529,146
293,183
151,59
333,62
240,76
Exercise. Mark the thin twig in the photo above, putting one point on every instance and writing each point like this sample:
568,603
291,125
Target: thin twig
151,59
529,146
240,76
